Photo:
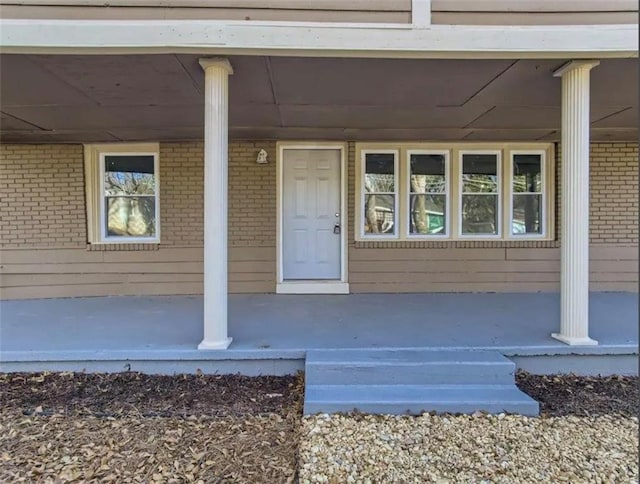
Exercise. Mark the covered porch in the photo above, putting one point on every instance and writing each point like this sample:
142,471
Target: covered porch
272,333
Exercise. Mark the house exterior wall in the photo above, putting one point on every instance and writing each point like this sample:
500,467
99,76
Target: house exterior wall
451,12
44,250
43,241
514,266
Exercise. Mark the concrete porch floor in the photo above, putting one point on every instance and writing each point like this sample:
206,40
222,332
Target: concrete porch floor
271,333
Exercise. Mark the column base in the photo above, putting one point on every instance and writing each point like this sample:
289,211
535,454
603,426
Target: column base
572,341
215,345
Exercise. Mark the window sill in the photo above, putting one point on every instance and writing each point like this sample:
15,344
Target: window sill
455,244
97,247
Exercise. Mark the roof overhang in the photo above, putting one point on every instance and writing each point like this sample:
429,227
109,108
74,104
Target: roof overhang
317,39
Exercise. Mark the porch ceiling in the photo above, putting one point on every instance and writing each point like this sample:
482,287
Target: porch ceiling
74,98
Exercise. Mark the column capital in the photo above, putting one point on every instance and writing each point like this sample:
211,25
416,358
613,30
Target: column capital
218,62
575,64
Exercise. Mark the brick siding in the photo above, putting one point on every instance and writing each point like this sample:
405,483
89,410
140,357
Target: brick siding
614,193
42,196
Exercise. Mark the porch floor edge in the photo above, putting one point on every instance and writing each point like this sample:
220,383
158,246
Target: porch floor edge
184,354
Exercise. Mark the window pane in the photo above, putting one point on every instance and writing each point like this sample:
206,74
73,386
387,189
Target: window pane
427,173
527,214
427,215
379,172
479,173
480,214
129,175
131,216
379,214
527,173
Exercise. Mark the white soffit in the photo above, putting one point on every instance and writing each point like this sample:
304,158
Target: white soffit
317,39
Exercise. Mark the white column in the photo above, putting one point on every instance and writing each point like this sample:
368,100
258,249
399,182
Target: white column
216,132
421,13
574,234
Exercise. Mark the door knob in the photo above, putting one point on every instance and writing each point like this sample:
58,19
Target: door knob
337,214
336,229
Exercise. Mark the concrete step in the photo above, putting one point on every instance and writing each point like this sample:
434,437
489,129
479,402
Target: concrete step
407,366
416,399
412,381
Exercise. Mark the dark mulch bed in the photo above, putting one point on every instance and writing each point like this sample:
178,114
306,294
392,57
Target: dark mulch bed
149,395
235,395
582,396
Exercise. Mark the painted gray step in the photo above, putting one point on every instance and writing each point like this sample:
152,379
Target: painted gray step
402,354
407,367
416,399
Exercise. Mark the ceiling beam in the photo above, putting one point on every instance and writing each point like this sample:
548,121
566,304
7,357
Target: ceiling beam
317,39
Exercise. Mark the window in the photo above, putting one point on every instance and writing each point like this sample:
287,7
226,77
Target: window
435,191
527,193
123,193
480,194
380,174
428,193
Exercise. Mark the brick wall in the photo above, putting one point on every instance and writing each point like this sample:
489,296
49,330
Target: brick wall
252,194
181,194
614,193
42,196
42,208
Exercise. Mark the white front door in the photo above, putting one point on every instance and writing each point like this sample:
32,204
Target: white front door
311,219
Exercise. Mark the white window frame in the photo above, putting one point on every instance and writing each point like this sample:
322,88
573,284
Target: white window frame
94,180
544,195
447,192
396,200
459,171
454,151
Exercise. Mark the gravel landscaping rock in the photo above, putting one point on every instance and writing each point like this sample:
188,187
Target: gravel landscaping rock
468,449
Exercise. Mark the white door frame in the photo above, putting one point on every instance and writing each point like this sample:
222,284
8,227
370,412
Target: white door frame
313,286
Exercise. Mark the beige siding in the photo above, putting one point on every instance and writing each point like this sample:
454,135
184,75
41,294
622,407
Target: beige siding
514,266
452,12
368,11
43,248
534,12
612,268
44,251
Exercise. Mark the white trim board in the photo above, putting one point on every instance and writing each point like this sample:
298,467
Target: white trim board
312,287
321,286
317,39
